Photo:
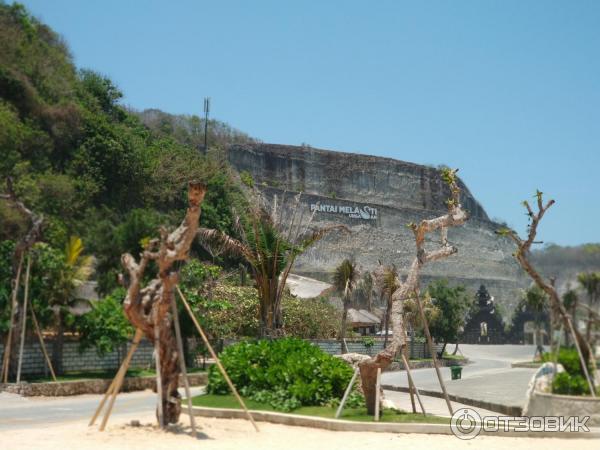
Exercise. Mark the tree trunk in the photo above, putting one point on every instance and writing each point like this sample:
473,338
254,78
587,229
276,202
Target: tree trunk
343,330
441,353
58,345
455,349
148,307
388,311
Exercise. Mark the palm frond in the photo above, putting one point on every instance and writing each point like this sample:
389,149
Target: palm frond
208,236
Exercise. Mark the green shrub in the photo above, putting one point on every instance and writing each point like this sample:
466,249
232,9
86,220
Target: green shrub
285,373
569,358
566,384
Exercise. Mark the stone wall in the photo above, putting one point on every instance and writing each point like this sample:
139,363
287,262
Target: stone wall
88,360
386,195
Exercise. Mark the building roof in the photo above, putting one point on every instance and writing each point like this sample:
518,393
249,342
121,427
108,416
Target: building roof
362,317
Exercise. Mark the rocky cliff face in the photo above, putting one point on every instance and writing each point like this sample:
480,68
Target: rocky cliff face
376,197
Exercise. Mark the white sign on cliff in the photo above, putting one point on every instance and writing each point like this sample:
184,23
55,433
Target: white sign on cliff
354,212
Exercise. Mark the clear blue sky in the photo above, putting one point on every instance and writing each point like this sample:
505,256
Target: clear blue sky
508,91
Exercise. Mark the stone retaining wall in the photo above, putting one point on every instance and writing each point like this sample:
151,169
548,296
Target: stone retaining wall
63,388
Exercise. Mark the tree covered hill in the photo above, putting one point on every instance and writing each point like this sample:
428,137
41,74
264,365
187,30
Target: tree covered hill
94,168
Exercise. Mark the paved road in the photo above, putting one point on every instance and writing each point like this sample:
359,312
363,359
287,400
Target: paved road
488,377
18,412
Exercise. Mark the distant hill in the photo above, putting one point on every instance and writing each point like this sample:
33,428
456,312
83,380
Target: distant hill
564,263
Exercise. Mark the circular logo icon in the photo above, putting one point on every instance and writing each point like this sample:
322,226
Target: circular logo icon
465,423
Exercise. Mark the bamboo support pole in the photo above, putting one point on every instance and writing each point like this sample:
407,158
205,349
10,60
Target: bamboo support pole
13,304
377,394
24,320
412,383
117,382
38,331
433,356
347,393
159,389
216,358
186,381
581,359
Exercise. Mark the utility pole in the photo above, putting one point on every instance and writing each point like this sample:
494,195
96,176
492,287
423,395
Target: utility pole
206,111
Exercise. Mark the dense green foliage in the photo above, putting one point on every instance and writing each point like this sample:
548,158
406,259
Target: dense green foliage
453,303
285,373
90,166
105,327
572,381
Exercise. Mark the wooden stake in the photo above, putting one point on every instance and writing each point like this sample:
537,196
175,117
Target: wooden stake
41,338
186,381
115,386
13,304
412,383
432,351
24,321
216,358
161,417
377,393
347,393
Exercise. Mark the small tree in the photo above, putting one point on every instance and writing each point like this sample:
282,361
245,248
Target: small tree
523,255
345,279
105,327
270,241
455,216
452,304
590,282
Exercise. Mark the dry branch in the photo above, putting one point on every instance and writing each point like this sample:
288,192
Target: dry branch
456,216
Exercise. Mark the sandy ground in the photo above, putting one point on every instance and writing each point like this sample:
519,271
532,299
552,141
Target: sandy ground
239,434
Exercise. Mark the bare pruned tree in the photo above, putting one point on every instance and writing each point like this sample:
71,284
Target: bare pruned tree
523,255
410,286
147,307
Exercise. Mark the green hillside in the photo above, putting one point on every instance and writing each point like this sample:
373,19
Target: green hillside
94,168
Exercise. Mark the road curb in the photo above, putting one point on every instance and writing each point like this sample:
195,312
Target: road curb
507,410
345,425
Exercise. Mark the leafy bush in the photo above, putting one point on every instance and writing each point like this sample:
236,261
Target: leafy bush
566,384
569,358
286,373
572,381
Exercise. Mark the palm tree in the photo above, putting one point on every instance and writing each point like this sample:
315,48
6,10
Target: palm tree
389,284
75,269
536,301
570,302
590,282
269,242
345,279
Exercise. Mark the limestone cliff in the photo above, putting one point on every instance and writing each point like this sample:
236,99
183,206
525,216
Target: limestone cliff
376,197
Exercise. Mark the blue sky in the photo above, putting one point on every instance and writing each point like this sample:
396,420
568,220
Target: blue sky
508,91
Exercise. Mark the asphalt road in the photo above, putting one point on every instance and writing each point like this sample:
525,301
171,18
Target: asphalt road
488,377
18,412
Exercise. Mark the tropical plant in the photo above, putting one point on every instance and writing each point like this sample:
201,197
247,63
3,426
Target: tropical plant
285,373
105,327
345,278
590,282
453,303
72,270
270,240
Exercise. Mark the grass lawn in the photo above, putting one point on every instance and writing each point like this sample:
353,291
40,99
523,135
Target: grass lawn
355,414
95,375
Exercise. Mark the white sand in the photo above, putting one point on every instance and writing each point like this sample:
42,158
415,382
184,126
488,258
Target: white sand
239,434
